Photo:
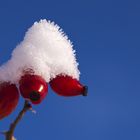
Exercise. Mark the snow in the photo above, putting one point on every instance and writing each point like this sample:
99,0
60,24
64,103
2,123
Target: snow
46,50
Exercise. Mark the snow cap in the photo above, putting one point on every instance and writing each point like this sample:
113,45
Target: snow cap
46,50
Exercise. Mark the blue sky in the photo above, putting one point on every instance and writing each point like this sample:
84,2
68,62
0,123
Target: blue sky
106,36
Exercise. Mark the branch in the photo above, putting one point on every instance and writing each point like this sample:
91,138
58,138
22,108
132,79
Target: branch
9,135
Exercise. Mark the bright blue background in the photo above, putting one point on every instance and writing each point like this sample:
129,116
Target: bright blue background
106,36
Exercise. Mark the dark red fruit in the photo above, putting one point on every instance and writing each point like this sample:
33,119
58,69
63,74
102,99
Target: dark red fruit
67,86
9,97
33,88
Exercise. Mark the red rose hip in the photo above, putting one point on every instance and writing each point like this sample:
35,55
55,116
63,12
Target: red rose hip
67,86
33,87
9,98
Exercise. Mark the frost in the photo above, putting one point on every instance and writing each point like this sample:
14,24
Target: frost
46,50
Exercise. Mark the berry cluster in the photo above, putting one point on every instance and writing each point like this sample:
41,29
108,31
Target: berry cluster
34,89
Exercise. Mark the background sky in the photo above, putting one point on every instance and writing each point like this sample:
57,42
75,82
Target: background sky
106,37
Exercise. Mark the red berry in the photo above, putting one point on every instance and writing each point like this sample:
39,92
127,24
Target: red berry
33,88
67,86
9,97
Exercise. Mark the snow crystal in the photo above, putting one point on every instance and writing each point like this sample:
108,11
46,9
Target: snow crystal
46,50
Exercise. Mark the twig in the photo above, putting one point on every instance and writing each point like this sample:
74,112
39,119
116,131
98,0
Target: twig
9,135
